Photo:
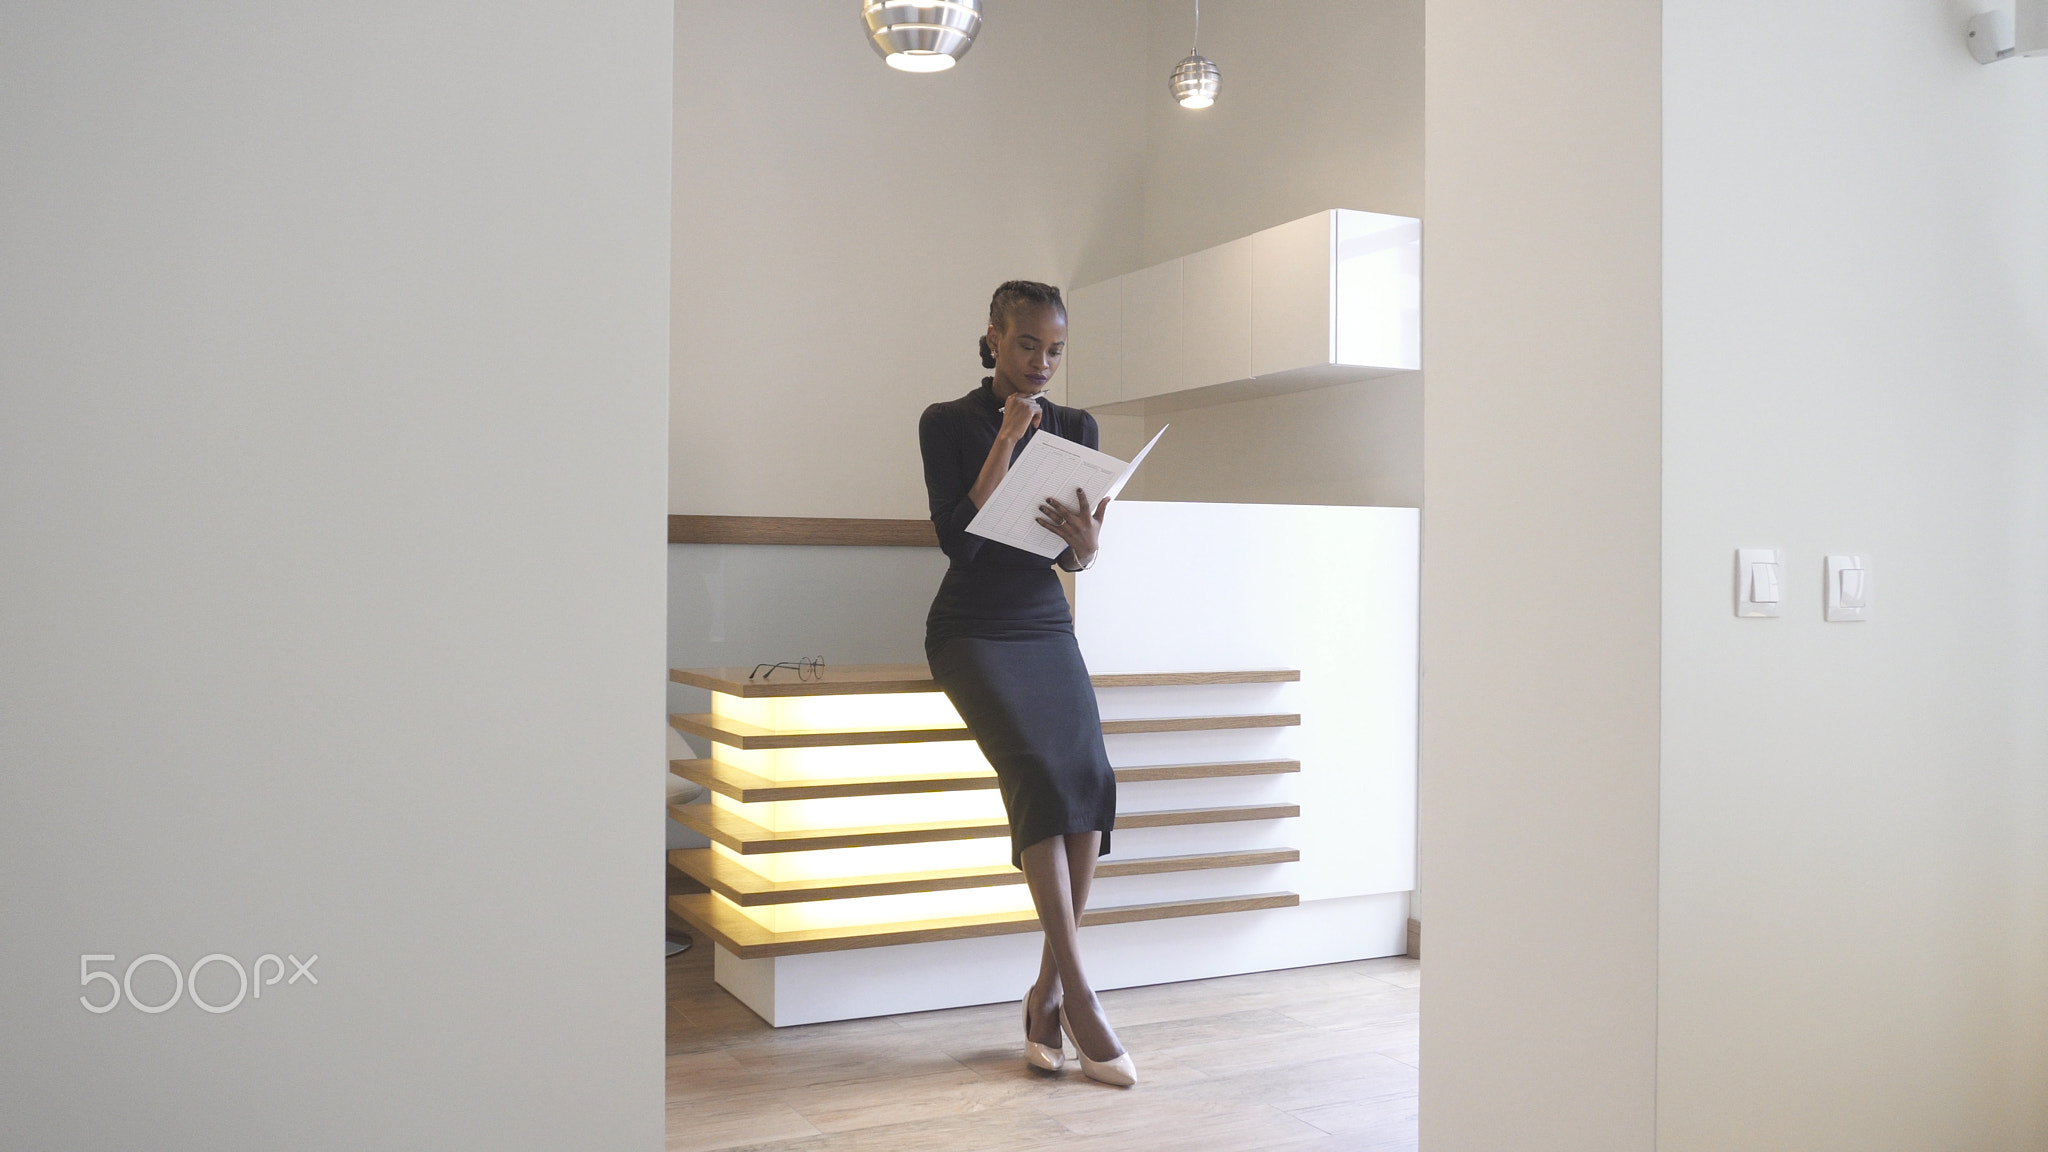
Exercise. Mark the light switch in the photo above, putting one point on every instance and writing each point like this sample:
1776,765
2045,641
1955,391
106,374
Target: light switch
1848,588
1763,583
1852,587
1759,581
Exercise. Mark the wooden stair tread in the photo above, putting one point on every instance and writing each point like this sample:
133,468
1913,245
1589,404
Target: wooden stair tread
868,679
742,885
740,734
1201,723
1179,816
1143,773
748,838
1176,679
752,788
741,936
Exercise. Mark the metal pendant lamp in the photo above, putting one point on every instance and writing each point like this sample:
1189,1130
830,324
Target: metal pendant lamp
1195,80
921,35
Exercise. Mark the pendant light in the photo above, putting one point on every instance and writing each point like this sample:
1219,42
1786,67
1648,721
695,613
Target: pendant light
1195,79
921,35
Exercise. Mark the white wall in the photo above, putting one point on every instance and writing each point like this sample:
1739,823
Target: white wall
2028,898
1540,590
1321,107
332,404
840,227
1856,287
1809,913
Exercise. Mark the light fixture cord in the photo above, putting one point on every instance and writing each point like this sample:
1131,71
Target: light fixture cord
1198,30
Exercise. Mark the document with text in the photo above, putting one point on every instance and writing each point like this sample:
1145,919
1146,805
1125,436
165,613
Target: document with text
1050,467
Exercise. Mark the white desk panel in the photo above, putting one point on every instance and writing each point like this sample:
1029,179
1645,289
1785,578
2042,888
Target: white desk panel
1331,591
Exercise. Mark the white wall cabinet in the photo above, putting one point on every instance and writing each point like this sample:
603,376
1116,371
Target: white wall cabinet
1154,349
1095,340
1216,310
1326,299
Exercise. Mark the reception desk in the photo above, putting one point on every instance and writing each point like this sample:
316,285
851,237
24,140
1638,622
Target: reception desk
1258,704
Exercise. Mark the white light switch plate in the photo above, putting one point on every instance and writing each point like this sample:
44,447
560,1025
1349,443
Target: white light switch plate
1759,581
1848,592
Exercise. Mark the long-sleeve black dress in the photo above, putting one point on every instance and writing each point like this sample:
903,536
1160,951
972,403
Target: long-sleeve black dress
1000,639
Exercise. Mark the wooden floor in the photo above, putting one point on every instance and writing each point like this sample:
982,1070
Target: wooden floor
1307,1060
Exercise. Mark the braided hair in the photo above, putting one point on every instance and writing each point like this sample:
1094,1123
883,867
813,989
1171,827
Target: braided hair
1012,297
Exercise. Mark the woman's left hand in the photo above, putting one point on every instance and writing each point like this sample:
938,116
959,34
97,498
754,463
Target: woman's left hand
1080,530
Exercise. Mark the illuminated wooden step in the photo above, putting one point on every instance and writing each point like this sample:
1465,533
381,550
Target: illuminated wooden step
748,838
740,734
868,679
744,886
739,935
751,788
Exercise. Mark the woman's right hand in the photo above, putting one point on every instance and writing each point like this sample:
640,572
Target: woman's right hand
1019,416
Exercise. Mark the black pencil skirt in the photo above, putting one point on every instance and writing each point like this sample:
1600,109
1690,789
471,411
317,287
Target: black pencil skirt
1000,641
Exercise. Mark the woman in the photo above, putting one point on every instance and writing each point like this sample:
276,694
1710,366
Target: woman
1001,643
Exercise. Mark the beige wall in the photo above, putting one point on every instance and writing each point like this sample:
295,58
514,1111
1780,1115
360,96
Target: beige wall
1540,590
1856,317
1351,444
333,380
840,225
1321,108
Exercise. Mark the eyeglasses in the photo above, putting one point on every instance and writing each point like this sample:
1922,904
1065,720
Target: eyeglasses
809,668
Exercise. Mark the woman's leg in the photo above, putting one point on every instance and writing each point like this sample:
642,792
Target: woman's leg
1059,871
1043,1025
1043,1022
1081,851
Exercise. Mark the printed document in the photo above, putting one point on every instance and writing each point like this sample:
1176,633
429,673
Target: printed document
1050,467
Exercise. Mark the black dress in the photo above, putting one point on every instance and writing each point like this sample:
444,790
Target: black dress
1000,639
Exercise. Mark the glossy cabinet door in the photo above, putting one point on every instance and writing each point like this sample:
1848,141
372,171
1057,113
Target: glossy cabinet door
1216,310
1094,361
1154,346
1292,297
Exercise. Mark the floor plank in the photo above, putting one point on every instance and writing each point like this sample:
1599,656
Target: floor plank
1319,1059
701,1126
961,1092
1017,1129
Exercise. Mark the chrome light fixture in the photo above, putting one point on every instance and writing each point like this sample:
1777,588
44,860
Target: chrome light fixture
921,35
1195,80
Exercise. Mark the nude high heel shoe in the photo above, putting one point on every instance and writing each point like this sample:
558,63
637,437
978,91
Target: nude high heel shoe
1120,1071
1050,1057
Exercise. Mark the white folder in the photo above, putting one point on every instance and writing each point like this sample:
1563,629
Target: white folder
1051,468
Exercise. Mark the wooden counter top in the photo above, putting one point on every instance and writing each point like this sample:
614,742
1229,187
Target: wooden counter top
864,679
